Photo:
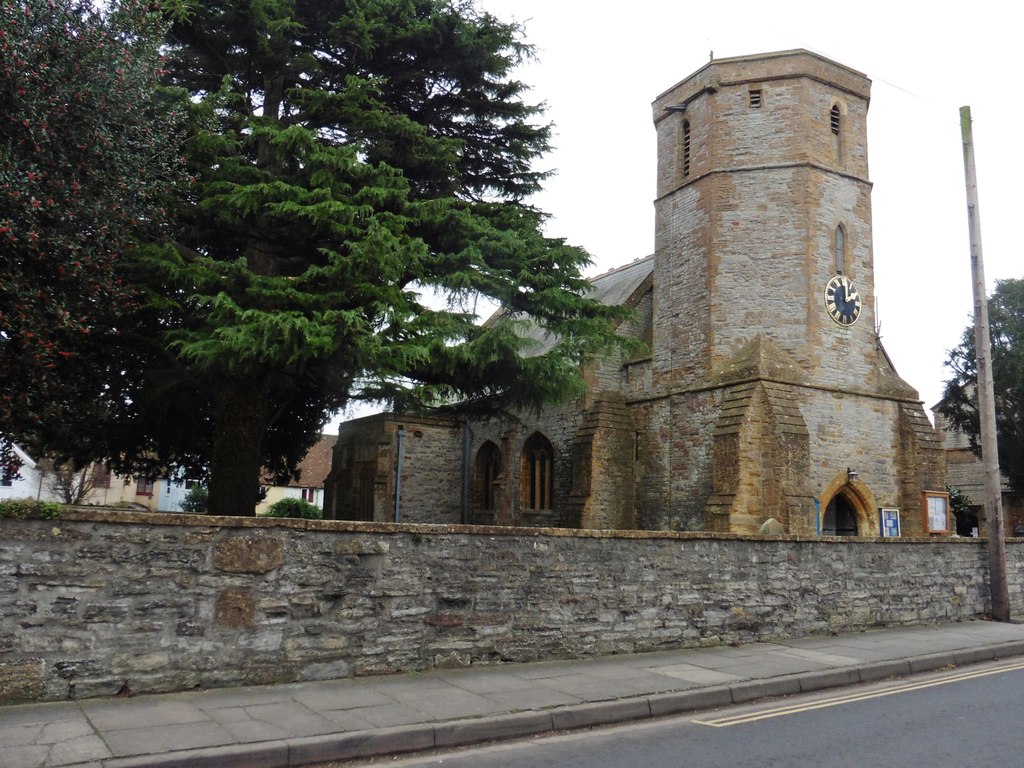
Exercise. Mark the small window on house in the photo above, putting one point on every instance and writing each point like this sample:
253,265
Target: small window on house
144,487
686,148
840,249
755,98
835,120
537,473
100,475
309,495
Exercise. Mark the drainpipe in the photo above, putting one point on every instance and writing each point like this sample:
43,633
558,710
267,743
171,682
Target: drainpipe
398,474
467,443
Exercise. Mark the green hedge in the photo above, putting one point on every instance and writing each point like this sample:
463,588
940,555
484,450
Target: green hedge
295,508
22,508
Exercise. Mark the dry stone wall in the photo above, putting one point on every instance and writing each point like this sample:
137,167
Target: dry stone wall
95,602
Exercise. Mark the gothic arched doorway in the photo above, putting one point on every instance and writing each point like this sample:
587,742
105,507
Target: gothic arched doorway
848,507
840,518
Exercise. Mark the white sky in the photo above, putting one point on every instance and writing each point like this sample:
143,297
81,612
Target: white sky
601,64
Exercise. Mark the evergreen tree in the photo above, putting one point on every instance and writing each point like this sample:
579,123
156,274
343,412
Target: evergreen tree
960,399
362,164
86,157
195,501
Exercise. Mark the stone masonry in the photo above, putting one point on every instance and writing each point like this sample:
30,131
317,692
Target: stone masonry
97,603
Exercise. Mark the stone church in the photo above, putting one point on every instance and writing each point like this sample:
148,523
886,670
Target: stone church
766,401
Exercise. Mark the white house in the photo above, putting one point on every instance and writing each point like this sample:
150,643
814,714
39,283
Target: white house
29,483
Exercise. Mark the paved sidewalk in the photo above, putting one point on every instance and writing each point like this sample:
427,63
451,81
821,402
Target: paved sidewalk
303,723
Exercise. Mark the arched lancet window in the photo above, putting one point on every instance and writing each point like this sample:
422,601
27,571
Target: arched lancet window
686,148
537,473
840,249
485,472
835,120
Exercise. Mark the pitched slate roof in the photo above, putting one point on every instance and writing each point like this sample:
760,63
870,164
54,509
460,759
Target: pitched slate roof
615,287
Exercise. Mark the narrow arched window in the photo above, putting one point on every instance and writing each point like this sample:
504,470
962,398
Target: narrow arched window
686,148
485,472
840,249
835,120
537,476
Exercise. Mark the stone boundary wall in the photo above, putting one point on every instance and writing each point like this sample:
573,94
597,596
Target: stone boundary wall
96,603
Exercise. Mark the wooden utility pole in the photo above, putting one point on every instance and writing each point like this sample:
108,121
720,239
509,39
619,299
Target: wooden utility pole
986,397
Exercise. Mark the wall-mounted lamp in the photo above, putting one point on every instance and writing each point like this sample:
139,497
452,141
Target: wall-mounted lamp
851,474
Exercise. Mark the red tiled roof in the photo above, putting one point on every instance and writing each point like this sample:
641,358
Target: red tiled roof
316,465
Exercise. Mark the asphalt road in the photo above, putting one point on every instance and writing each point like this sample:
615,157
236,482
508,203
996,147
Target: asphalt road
965,718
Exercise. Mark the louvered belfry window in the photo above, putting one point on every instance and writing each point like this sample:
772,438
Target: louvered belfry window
686,148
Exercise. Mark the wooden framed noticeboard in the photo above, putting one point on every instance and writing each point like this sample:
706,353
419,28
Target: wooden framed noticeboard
889,519
935,506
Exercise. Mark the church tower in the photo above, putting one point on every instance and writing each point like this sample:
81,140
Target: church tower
766,402
771,394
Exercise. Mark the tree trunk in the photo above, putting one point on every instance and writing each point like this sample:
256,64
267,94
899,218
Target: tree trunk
240,421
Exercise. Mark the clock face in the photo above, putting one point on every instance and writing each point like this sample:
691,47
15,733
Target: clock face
842,301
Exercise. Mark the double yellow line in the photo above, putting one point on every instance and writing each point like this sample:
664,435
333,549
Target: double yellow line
835,701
